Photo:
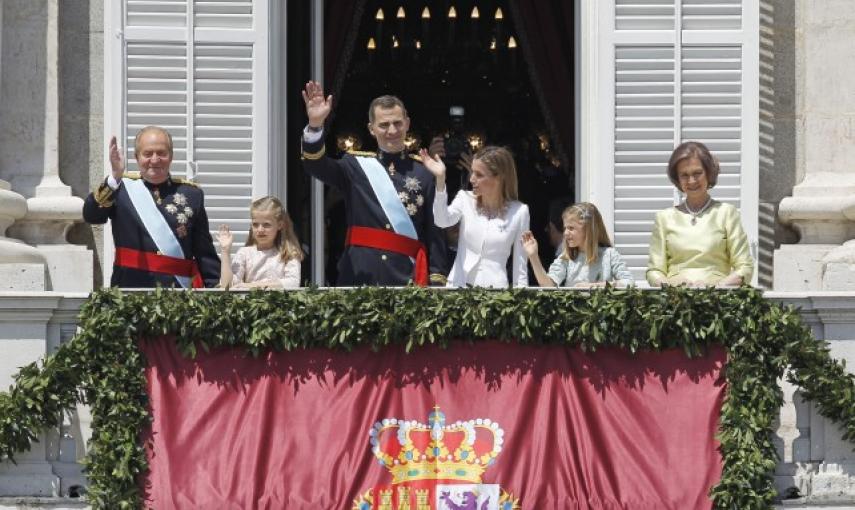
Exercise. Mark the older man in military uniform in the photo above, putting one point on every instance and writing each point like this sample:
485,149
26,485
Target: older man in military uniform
391,237
159,223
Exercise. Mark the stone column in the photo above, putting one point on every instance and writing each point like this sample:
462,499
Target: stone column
53,209
822,208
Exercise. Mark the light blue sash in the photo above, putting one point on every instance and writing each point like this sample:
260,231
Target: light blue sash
387,195
154,222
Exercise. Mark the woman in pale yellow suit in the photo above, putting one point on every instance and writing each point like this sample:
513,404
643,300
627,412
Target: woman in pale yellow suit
699,242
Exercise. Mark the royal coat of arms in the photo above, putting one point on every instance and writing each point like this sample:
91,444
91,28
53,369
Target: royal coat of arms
435,466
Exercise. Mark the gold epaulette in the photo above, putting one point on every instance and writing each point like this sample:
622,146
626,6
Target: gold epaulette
367,154
314,155
438,278
416,157
181,180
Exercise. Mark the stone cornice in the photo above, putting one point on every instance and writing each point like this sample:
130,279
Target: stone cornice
820,307
40,307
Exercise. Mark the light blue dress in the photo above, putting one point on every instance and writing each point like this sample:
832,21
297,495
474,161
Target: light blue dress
609,267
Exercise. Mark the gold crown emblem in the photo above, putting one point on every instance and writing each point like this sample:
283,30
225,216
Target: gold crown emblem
412,451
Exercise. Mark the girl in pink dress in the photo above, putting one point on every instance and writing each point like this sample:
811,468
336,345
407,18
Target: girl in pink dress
271,257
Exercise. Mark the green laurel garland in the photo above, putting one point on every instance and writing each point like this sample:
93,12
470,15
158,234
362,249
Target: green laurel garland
102,367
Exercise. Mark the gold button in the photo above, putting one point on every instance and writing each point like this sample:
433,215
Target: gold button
382,257
388,226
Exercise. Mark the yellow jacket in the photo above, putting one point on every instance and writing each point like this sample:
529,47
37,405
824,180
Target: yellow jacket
707,251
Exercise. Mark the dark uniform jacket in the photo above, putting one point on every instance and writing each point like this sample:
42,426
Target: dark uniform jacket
181,203
416,188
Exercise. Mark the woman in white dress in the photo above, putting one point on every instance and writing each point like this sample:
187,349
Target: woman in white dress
491,218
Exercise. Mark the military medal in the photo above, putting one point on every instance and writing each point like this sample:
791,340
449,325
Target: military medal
412,184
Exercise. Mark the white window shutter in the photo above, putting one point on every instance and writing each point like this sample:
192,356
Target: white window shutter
671,71
201,70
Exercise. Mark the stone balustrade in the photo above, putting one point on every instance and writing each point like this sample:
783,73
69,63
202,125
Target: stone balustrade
814,459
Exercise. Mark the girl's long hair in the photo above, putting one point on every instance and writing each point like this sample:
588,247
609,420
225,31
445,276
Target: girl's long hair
596,235
286,239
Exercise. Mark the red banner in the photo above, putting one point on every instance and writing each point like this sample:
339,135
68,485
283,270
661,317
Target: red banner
478,426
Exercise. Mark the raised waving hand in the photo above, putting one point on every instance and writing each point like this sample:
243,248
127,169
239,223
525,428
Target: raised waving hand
318,107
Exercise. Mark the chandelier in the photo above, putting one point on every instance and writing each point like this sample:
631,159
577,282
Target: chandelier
414,30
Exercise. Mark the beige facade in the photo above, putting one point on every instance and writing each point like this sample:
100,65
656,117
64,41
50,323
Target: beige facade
52,139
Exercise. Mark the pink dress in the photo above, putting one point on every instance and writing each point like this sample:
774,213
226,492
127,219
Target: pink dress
253,265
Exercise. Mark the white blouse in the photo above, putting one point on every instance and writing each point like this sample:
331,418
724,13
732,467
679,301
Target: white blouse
484,244
253,265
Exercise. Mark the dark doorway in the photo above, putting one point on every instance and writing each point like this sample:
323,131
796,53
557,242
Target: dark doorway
464,71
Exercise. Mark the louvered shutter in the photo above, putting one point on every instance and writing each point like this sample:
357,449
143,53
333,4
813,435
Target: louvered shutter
673,70
199,69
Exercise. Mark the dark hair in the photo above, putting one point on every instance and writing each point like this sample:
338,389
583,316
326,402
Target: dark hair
386,103
688,150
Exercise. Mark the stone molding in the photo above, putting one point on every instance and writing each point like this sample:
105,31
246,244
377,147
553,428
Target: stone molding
822,208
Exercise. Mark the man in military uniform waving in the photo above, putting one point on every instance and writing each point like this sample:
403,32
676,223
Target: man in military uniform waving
391,236
159,223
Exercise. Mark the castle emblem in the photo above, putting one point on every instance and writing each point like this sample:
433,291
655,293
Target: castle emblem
436,466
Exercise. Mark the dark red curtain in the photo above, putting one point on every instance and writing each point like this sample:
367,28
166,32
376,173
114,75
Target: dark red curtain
545,29
298,430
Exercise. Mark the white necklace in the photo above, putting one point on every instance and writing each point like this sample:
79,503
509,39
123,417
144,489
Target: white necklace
490,213
697,213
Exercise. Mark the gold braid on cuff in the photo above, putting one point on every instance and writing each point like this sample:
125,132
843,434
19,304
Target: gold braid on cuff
315,155
104,195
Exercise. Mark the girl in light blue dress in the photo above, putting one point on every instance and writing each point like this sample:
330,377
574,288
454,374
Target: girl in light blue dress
588,258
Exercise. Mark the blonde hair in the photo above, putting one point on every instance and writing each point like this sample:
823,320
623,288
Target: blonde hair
286,239
596,235
500,162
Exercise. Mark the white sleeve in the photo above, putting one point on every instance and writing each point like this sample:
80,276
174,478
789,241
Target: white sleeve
520,260
239,267
312,136
112,182
290,274
445,215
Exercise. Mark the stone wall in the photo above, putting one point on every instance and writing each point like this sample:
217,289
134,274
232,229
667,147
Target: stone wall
822,206
51,97
82,140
